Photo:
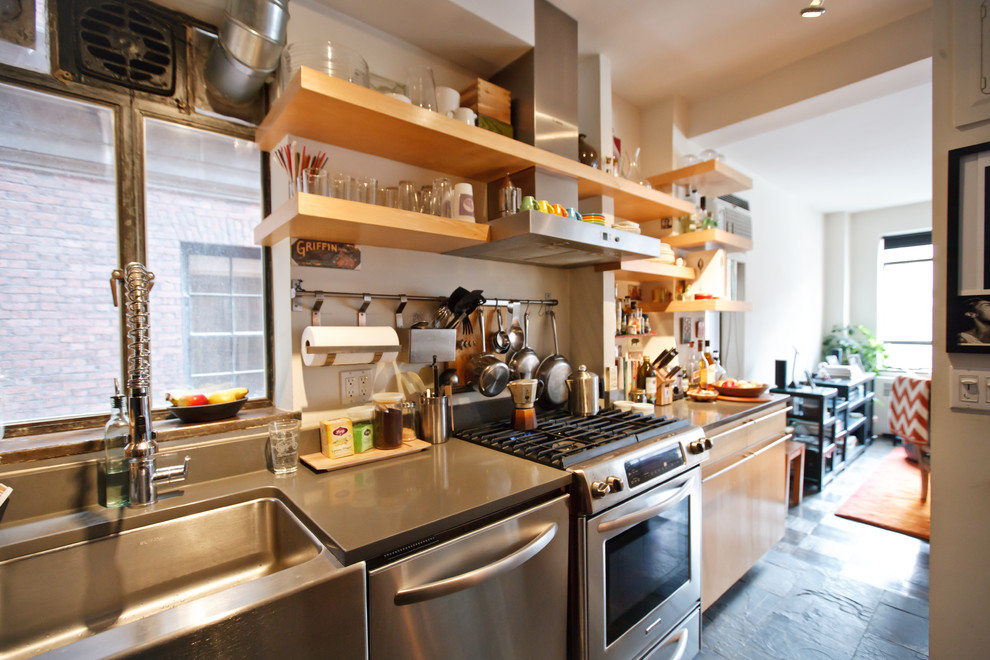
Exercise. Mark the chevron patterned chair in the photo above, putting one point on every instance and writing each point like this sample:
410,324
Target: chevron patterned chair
909,405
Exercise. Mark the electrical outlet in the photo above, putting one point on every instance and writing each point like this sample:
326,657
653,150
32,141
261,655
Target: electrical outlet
355,387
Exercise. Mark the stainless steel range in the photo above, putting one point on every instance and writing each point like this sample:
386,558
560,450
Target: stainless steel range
635,554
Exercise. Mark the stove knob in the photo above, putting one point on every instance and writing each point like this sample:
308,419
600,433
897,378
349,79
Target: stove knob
614,483
698,446
708,443
600,489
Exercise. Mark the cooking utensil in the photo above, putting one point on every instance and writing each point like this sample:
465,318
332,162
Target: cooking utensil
449,378
500,339
491,375
515,334
582,393
525,362
553,372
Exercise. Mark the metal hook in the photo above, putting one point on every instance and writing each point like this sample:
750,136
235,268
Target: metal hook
398,310
362,316
317,306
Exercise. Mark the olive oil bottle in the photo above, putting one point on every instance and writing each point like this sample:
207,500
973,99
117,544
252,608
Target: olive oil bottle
115,489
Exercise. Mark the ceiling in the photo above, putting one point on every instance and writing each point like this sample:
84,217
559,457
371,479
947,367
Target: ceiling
835,110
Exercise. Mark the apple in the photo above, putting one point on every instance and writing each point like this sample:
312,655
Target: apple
187,400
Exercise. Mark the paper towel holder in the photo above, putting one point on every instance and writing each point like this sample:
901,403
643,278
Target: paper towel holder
332,351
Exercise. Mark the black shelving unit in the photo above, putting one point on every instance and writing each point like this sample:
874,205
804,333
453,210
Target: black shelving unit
856,398
814,416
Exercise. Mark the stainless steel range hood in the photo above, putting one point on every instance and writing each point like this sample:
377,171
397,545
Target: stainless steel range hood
542,239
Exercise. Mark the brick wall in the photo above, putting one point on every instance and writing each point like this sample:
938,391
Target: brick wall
59,331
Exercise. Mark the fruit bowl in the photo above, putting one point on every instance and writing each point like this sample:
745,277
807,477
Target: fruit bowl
745,392
209,412
702,395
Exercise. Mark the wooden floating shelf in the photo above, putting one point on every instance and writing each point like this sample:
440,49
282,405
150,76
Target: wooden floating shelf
343,221
699,306
709,239
644,270
337,112
711,177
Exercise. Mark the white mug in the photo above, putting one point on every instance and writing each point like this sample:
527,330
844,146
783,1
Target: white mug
401,97
464,202
448,100
466,115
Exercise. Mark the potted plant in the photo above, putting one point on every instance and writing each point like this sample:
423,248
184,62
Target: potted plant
856,340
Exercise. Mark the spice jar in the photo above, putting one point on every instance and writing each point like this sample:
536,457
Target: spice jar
387,427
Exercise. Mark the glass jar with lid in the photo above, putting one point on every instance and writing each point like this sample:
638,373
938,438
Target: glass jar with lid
387,427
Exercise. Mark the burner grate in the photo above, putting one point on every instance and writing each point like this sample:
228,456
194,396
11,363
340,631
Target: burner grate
562,440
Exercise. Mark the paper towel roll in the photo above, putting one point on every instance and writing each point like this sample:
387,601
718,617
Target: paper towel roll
342,345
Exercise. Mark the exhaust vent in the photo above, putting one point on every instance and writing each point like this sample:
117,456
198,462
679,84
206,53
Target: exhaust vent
126,43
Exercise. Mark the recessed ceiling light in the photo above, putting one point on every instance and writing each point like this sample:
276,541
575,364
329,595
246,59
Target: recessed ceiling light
813,10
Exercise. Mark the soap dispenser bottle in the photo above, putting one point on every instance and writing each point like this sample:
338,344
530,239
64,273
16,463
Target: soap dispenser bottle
116,471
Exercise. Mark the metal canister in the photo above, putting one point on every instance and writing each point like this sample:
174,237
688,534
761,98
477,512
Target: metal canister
582,388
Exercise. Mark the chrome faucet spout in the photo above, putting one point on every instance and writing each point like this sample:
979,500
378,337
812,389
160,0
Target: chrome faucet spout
141,447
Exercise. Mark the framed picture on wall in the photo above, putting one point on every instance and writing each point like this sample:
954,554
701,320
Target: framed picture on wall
968,251
686,337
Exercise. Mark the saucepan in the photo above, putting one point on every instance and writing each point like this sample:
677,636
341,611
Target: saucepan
491,375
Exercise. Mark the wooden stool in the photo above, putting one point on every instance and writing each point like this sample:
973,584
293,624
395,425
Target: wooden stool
795,472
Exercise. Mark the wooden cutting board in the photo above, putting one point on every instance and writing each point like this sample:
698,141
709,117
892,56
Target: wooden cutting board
320,462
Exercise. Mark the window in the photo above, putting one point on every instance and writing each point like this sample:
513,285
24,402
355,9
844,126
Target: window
904,301
59,331
90,180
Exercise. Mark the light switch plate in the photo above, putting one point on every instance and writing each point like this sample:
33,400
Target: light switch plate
970,389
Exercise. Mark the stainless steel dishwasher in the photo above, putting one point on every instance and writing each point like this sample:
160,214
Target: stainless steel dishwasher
497,592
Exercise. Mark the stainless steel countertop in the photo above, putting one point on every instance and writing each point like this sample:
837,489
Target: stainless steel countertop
360,513
712,415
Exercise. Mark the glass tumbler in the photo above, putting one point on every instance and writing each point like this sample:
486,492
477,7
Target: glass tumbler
283,445
341,188
443,198
408,199
421,88
314,180
426,200
367,190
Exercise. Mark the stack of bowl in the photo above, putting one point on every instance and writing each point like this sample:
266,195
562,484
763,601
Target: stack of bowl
248,49
329,57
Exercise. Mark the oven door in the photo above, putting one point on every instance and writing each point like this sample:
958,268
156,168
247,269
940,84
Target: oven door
643,568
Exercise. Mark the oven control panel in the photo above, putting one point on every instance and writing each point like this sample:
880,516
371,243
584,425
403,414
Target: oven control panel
641,470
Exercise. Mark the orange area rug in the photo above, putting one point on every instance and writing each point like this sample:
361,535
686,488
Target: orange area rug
891,498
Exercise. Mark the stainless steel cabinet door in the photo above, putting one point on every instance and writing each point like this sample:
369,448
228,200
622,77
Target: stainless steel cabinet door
498,592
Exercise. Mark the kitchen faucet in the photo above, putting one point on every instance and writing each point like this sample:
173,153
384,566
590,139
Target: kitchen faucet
145,475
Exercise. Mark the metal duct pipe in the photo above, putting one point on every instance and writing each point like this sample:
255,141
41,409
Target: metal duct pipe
247,51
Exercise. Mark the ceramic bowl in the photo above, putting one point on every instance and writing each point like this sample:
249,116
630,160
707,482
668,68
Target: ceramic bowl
747,392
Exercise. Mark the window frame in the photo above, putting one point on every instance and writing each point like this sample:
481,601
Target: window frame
129,114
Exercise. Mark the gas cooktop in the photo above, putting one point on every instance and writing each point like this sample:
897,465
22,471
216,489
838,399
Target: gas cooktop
562,440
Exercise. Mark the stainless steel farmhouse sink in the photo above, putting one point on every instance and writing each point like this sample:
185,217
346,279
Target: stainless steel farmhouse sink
230,579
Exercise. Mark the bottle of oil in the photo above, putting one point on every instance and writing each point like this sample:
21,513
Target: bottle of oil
116,472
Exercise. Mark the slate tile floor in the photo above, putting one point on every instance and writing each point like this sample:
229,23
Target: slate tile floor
831,589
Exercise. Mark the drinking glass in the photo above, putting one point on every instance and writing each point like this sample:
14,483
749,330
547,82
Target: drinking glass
341,186
426,199
421,88
283,445
314,180
367,190
408,199
443,197
392,197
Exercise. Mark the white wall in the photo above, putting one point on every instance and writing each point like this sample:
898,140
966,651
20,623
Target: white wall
784,280
960,535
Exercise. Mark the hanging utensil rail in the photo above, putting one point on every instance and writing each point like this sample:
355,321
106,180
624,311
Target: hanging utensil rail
297,292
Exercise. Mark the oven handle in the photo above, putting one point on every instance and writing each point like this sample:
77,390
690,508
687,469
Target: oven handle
646,514
750,456
681,637
473,578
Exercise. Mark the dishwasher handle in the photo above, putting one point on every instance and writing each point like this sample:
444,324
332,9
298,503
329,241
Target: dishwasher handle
473,578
